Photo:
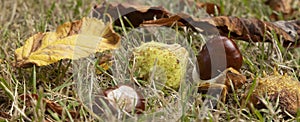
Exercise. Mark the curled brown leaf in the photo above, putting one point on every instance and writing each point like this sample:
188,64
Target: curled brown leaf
135,14
239,28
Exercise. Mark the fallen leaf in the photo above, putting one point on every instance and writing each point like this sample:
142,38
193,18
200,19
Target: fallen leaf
105,58
222,85
210,8
229,78
283,7
291,27
165,21
135,14
72,40
105,62
28,98
239,28
251,29
49,104
59,109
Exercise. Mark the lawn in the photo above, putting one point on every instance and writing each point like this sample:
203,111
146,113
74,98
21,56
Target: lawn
68,90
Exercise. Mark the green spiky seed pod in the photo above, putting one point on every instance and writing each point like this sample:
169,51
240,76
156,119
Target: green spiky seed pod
161,62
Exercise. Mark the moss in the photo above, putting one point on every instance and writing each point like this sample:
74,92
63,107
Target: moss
161,62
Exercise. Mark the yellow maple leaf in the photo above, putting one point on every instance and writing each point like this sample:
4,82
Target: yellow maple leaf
72,40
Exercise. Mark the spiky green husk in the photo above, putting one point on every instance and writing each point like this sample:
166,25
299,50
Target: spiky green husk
161,62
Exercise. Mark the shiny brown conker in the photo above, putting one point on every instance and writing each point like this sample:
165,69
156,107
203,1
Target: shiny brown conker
216,55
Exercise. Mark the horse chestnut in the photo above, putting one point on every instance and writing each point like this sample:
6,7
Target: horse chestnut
218,54
126,97
119,98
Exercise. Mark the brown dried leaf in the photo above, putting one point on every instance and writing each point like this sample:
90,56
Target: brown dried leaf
210,8
230,75
59,109
234,77
239,28
214,90
284,7
291,27
28,98
165,22
222,84
135,14
250,29
49,104
105,62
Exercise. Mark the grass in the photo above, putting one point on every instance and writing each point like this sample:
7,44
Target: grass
19,19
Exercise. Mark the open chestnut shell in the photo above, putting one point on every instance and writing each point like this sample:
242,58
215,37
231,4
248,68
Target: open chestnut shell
215,50
122,97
